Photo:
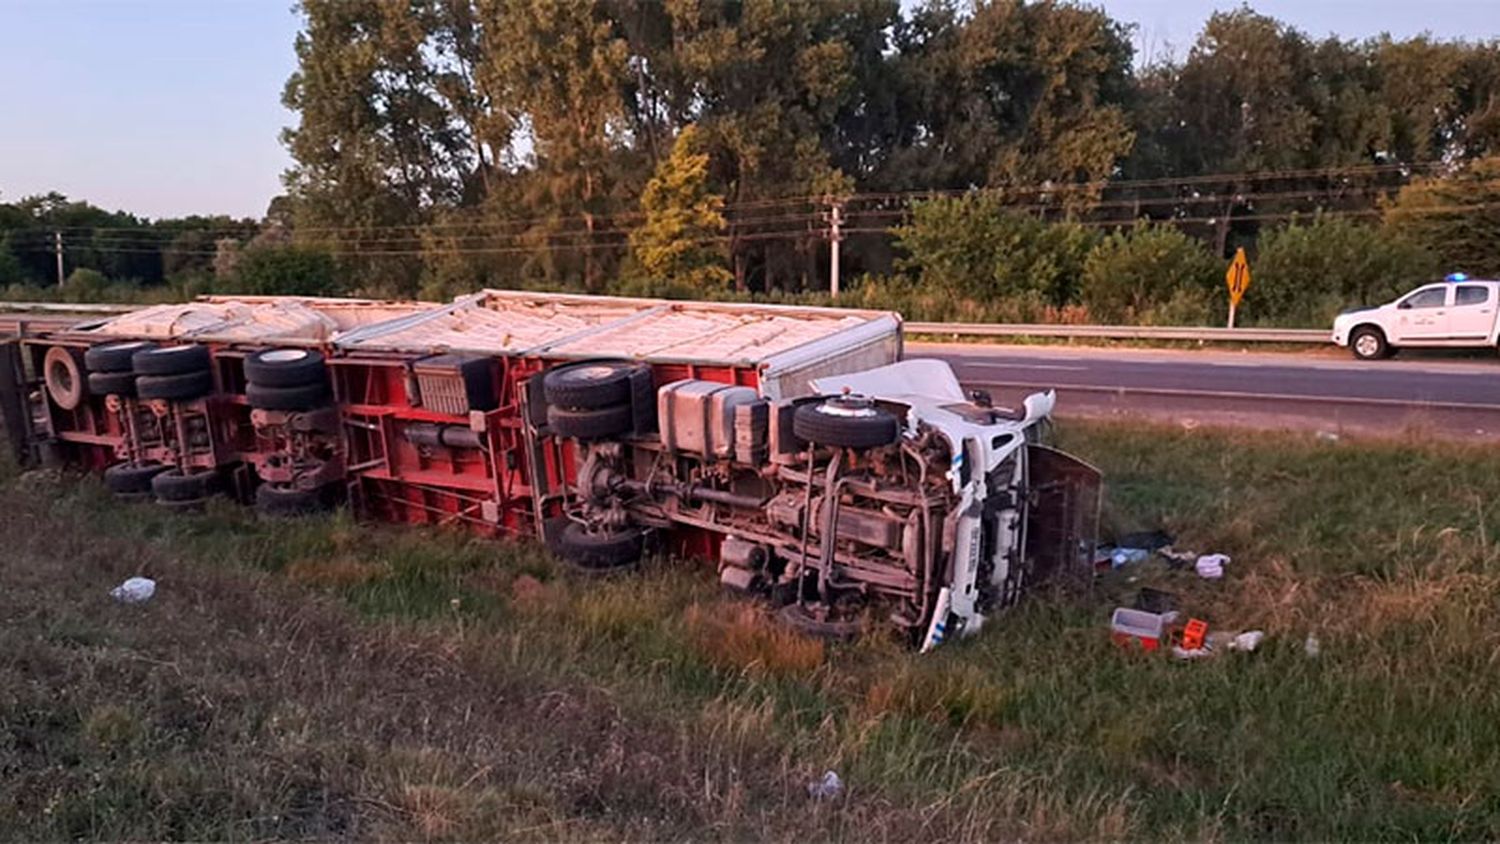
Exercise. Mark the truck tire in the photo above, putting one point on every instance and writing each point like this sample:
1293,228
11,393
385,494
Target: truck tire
184,387
288,502
590,424
299,398
172,486
597,552
170,360
62,372
285,368
798,617
112,383
114,357
588,386
132,478
845,422
1369,343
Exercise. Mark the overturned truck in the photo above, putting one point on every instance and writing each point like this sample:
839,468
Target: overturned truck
793,446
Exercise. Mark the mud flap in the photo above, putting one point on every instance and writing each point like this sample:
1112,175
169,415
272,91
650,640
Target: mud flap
1062,525
13,401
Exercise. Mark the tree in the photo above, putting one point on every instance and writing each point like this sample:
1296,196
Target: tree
1130,276
284,271
1456,217
673,246
1306,272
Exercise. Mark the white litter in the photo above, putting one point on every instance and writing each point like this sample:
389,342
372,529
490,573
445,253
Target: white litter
1211,566
136,590
827,788
1247,641
1312,647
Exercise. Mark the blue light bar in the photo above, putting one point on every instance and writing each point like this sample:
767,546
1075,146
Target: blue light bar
1458,277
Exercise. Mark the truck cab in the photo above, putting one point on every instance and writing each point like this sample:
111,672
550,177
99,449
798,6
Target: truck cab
1458,312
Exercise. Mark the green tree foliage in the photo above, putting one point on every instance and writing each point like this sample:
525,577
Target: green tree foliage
972,246
675,245
284,271
1456,217
1306,273
1150,273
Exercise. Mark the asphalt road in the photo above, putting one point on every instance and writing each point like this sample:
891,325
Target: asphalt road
1430,394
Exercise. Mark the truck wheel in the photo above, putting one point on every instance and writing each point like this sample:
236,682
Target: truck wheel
171,360
1369,343
590,424
132,478
596,552
114,357
285,368
112,383
172,486
588,386
801,618
188,385
286,502
64,377
846,422
298,398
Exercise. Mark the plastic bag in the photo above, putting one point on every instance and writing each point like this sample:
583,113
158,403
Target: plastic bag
136,590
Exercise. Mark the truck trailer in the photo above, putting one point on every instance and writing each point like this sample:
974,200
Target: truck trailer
792,446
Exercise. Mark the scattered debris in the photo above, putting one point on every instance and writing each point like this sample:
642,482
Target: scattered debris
1193,633
1211,566
136,590
830,787
1328,436
1312,647
1149,630
1121,557
1155,600
1177,559
1217,642
1151,540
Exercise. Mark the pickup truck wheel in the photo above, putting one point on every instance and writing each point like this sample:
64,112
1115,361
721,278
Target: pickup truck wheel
175,487
810,621
1369,344
132,478
170,360
846,422
188,385
590,424
285,368
588,386
114,357
599,552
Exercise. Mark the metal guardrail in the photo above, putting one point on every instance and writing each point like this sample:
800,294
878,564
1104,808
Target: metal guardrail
954,329
1122,332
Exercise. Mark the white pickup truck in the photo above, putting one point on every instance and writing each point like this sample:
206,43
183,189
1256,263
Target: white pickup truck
1457,313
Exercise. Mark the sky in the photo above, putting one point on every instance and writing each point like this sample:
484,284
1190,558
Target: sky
173,107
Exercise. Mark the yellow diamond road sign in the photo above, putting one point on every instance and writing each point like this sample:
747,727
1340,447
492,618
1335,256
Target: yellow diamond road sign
1238,277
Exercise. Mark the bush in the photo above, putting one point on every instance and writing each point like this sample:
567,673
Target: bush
284,271
1456,218
1307,272
973,248
1150,274
84,285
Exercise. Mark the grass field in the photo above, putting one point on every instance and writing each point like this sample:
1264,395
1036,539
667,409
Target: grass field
334,679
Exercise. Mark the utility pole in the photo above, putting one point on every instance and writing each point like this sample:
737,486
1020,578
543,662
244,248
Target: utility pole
57,247
835,219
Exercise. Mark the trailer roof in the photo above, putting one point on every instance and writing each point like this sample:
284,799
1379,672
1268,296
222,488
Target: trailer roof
289,320
505,322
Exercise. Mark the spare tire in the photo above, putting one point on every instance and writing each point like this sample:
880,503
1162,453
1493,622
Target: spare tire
590,424
285,368
170,360
588,386
114,357
600,551
184,387
299,398
132,478
846,422
62,372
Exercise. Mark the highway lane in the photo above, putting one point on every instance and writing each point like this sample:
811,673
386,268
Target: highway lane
1456,398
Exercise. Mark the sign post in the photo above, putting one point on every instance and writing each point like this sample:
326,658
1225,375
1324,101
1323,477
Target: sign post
1237,279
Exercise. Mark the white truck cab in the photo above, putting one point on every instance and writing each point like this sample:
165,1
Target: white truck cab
1458,312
